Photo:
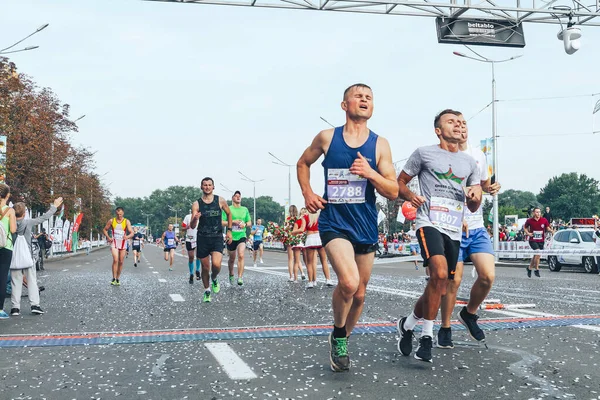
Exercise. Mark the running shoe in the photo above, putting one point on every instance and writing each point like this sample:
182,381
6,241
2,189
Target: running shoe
206,298
3,315
444,339
470,322
36,310
303,277
15,311
537,273
261,261
329,282
135,264
191,279
338,354
240,282
309,285
113,282
423,352
198,275
406,336
254,265
291,280
118,283
215,286
528,272
231,279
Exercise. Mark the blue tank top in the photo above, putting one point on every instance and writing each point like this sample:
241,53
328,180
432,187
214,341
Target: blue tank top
350,207
170,240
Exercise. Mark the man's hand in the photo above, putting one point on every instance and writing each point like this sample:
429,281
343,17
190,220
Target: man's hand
196,216
417,201
228,237
109,239
314,202
361,167
241,224
58,202
494,188
471,193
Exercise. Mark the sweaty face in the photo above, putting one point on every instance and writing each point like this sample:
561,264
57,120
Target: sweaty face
450,128
537,213
358,103
237,198
120,213
207,187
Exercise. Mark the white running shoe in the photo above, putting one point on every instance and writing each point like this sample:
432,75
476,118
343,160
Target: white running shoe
254,265
291,280
329,282
261,261
309,285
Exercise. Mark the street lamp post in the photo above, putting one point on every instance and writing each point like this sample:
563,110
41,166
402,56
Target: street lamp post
147,223
175,210
253,193
279,162
481,58
3,51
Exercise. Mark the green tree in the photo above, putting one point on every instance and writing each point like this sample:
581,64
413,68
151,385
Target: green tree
266,208
520,200
570,196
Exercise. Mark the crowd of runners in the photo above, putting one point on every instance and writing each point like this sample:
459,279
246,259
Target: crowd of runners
340,227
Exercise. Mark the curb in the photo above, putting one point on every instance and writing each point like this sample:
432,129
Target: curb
67,256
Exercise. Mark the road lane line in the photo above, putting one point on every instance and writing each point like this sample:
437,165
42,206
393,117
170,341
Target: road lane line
231,363
162,280
176,297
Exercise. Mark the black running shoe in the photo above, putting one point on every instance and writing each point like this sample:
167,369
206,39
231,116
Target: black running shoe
41,288
406,336
470,322
135,264
444,339
423,352
192,279
198,275
15,311
338,354
36,310
528,273
537,273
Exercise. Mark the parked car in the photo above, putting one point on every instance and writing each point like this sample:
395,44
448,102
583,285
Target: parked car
573,239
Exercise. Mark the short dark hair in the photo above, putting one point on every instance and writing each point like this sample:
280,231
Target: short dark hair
119,208
208,179
356,85
537,208
19,209
237,192
436,120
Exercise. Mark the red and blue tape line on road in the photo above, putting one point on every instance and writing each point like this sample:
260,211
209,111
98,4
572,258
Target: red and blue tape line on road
249,333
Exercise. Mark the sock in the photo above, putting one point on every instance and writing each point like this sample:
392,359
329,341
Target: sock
191,266
445,329
411,321
197,265
207,290
427,328
339,332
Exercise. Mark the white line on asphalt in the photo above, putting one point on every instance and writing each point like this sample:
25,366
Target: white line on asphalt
176,297
64,270
233,365
162,280
159,364
153,268
43,276
155,272
77,266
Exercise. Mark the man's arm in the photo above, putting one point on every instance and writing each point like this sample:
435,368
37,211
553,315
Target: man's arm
248,220
105,231
225,207
195,215
384,181
527,233
318,147
405,193
129,229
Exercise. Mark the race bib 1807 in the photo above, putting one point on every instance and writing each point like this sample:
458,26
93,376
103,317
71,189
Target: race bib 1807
345,187
446,213
538,235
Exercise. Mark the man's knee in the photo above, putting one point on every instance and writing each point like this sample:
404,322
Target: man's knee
349,285
359,295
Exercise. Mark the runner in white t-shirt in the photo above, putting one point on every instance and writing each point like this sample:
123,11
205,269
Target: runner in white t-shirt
414,246
477,245
190,247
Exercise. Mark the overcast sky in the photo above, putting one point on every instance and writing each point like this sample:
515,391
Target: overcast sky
175,92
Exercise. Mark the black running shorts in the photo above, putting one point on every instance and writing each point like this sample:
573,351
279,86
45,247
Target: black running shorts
256,244
207,245
168,249
436,243
137,248
190,246
359,248
536,245
235,243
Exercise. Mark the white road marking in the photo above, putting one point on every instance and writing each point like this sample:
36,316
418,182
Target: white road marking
159,364
153,268
176,297
155,272
64,270
232,364
162,280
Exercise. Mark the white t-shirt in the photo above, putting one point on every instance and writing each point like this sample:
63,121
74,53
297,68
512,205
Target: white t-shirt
413,236
475,220
190,234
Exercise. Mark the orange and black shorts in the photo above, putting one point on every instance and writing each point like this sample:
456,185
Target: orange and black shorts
436,243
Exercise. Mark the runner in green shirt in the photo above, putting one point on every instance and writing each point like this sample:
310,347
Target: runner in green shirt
241,221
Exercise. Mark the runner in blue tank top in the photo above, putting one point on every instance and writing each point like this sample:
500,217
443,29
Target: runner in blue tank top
170,241
357,162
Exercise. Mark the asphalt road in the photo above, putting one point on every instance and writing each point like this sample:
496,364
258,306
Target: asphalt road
152,338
